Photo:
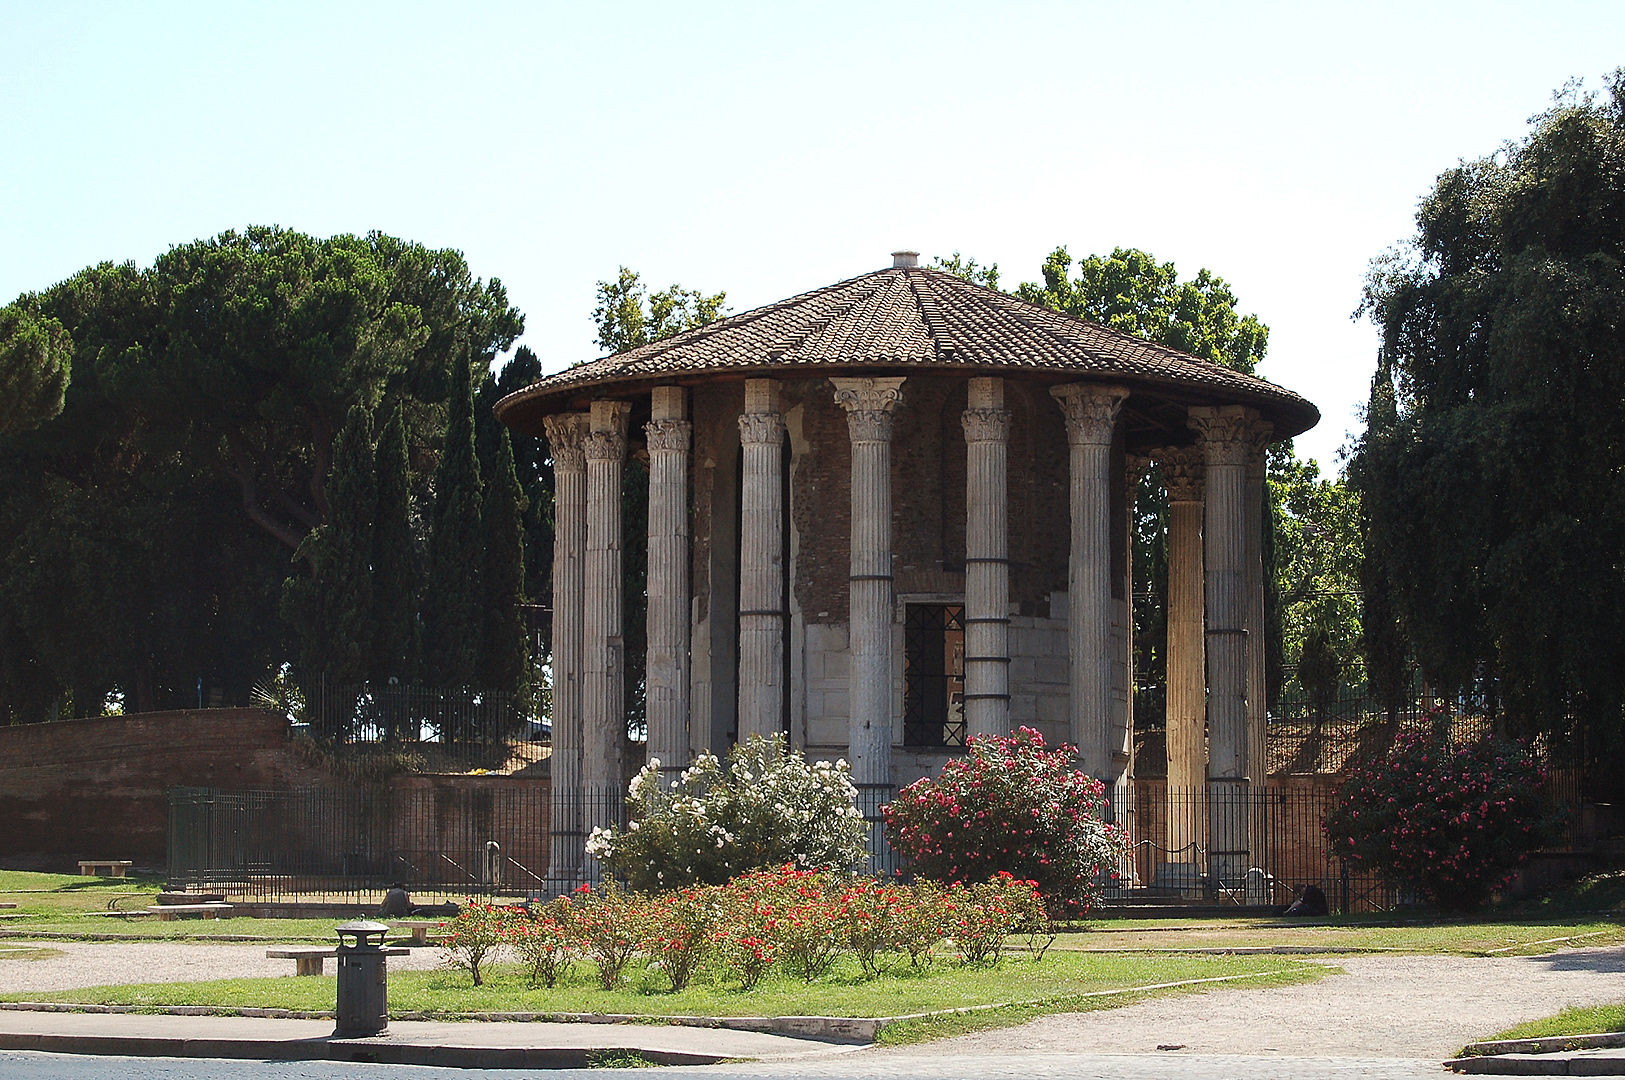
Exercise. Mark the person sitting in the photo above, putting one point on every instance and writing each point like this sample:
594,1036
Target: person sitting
1311,901
397,903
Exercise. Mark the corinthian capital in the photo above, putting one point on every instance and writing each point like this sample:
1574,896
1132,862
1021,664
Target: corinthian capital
1182,472
667,435
605,446
986,425
565,432
869,404
761,428
1226,433
1091,411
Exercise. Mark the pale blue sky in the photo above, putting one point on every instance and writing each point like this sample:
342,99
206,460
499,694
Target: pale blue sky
766,149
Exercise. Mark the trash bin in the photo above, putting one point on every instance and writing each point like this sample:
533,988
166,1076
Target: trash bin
363,992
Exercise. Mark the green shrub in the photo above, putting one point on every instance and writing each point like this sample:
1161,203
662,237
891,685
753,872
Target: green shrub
1451,821
1014,806
768,807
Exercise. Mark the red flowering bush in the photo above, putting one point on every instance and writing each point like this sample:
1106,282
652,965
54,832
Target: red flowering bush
680,932
479,931
1453,821
546,942
1011,805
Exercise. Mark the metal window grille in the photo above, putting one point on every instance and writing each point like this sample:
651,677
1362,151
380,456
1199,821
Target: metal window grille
934,675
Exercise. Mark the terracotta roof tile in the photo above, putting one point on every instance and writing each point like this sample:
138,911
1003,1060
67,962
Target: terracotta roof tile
901,318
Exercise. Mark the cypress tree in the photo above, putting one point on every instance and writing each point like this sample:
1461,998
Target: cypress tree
502,660
394,561
332,609
452,614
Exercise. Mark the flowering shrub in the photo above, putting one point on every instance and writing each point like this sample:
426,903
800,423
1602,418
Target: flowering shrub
547,943
800,920
681,931
478,931
1451,821
1010,805
767,808
608,926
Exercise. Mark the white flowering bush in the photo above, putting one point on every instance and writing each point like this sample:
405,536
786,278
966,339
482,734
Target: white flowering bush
766,807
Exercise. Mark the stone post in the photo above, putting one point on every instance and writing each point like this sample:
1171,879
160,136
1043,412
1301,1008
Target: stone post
1187,676
761,562
666,681
869,404
565,434
1091,415
987,562
1225,434
603,698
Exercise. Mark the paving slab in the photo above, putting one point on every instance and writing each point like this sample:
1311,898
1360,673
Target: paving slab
461,1045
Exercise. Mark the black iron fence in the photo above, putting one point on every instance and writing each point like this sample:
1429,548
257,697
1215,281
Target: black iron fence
1243,847
350,843
463,725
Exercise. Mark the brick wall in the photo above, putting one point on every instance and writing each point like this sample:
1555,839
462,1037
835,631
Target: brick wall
98,788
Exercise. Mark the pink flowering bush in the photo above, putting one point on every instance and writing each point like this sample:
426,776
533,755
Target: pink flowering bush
1011,805
1451,821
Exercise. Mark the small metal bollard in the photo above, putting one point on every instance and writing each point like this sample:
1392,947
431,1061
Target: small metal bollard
363,995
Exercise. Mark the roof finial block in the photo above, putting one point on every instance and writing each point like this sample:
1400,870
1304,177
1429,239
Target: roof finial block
905,260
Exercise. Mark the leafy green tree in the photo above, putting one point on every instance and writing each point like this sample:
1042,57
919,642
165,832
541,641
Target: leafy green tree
1317,573
453,614
628,315
332,609
1492,458
36,356
968,269
1129,291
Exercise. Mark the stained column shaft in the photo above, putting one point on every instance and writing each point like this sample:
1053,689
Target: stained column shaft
1225,433
1091,415
603,699
987,562
869,404
761,562
565,435
1187,692
669,436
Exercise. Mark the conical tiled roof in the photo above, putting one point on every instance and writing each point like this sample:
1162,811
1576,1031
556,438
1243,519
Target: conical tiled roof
900,320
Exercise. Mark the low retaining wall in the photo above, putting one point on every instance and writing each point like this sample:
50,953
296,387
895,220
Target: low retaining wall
98,788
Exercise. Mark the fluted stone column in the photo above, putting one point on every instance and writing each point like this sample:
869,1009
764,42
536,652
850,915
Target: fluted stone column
761,562
565,435
666,672
987,562
1257,698
1091,415
1122,792
603,698
1187,676
1225,434
869,404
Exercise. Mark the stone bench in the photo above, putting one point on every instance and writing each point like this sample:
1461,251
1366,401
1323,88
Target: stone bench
310,959
94,867
169,912
420,928
7,905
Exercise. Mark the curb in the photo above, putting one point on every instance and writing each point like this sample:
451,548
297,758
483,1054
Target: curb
355,1050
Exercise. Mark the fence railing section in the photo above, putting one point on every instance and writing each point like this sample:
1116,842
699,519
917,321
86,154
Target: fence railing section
1242,847
352,842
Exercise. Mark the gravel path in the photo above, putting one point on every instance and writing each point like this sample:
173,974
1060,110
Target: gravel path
1386,1006
111,964
1378,1006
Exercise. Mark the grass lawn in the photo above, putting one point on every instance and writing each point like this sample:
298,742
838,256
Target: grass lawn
1510,934
1580,1020
842,992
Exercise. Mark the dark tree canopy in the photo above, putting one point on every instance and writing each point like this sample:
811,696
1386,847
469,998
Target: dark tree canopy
147,532
1493,464
36,356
